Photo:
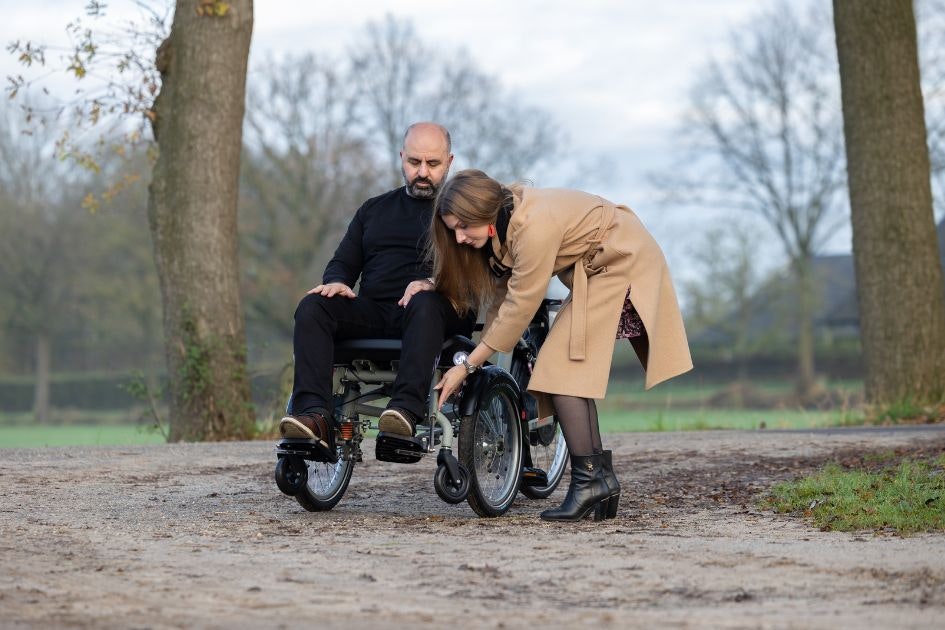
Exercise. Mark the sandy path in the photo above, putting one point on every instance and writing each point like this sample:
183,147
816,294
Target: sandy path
198,536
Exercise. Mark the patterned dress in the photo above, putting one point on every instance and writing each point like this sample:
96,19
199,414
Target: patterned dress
630,323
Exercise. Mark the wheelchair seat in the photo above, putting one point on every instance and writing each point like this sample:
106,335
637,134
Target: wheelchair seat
376,350
383,351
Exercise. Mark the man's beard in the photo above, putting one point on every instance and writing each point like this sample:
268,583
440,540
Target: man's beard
421,193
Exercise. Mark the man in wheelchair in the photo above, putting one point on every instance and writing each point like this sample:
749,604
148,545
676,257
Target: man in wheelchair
384,247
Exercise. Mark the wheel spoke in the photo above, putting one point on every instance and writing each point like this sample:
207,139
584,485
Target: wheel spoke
322,475
494,454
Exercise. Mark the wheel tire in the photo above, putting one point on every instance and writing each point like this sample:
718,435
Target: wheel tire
326,484
552,457
490,446
449,492
291,475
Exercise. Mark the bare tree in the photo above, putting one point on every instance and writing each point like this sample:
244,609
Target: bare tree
494,130
197,123
37,269
722,298
306,168
388,68
401,80
765,138
901,294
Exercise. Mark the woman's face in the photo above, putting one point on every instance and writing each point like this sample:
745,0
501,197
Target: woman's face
472,235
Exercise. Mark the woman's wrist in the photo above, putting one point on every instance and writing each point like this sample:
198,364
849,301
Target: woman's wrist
480,355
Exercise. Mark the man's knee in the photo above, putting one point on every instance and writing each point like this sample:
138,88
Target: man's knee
313,307
427,306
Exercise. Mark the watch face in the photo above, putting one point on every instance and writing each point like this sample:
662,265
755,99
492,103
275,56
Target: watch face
459,357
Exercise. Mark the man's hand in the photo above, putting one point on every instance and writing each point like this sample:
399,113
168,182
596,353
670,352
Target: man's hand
332,289
413,288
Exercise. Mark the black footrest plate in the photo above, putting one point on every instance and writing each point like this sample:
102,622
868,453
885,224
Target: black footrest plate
306,449
399,449
534,477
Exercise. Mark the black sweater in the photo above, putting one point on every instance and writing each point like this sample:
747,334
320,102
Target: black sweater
384,245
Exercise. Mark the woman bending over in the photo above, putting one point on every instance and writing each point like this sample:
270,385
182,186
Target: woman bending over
500,246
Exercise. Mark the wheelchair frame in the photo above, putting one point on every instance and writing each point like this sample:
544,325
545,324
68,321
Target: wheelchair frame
501,464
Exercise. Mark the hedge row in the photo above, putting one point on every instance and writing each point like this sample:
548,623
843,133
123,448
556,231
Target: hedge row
99,392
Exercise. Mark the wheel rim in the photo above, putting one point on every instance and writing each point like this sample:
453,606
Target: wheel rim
497,450
325,478
553,457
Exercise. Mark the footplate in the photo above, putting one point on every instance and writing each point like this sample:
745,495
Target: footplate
399,449
306,449
534,477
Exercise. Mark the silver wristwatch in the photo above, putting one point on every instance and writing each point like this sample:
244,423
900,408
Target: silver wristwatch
470,368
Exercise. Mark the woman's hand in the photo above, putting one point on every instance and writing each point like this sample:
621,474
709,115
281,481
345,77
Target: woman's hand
413,288
451,382
332,289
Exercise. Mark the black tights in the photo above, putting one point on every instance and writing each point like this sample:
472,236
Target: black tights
578,418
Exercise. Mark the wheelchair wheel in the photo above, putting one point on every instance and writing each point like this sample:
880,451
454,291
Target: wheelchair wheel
549,452
455,492
326,484
490,446
290,474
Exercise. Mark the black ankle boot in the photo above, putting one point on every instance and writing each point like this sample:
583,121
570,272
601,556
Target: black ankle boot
613,486
587,490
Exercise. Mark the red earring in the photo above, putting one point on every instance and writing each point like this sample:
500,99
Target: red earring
491,230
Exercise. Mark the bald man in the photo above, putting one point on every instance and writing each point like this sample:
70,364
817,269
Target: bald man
384,247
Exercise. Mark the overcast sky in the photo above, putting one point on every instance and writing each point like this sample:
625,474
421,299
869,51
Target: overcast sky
613,73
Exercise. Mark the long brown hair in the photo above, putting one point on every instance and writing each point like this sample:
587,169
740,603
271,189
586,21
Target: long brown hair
461,272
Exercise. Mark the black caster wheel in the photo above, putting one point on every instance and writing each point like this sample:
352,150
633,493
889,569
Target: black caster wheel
291,475
455,490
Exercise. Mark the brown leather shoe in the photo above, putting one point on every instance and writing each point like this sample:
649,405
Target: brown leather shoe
397,421
313,426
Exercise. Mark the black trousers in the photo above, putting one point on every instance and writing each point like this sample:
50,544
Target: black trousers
427,321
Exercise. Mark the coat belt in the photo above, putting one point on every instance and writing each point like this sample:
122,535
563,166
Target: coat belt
576,351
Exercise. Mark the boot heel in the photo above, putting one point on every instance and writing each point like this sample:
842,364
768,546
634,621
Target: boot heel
601,510
612,504
607,463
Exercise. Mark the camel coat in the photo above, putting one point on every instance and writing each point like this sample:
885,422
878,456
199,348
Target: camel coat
599,250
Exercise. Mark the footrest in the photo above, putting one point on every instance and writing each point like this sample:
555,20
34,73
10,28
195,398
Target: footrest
306,449
399,449
534,477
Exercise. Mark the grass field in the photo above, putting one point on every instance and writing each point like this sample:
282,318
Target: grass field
678,405
76,435
703,419
25,436
683,392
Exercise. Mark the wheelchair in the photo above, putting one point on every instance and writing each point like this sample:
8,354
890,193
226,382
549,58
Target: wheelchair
502,447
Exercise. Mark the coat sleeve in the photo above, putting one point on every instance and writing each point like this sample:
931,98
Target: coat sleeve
502,287
348,261
533,250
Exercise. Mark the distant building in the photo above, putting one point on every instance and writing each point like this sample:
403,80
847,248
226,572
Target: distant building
836,315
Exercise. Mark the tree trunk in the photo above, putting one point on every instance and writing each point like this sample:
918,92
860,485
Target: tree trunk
192,208
41,384
899,278
805,386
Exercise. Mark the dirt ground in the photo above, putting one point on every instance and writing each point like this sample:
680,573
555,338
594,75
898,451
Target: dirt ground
199,536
